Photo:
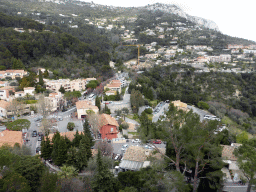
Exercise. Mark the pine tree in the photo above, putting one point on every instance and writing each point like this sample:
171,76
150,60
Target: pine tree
62,152
62,90
41,81
103,179
46,148
84,153
97,102
76,139
117,96
87,132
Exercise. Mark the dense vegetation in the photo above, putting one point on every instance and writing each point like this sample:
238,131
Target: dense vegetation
225,93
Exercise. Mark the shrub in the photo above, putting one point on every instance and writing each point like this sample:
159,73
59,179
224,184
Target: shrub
242,137
203,105
31,101
71,126
148,111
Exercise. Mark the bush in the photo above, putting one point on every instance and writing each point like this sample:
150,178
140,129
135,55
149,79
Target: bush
148,111
203,105
71,126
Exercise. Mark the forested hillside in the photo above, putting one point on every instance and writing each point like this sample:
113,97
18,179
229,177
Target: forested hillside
51,49
225,93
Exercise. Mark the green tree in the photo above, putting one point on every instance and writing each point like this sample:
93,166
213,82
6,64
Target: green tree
117,96
242,137
62,90
97,102
71,126
17,64
77,139
13,181
46,148
30,168
103,179
87,131
41,81
59,153
46,73
84,153
246,155
67,172
49,182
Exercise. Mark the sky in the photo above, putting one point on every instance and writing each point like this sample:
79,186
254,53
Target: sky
234,18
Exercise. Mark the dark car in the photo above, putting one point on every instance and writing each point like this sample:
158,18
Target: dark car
40,134
34,134
38,149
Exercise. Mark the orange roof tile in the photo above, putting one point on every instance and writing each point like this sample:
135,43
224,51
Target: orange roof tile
4,104
29,88
85,105
11,137
106,119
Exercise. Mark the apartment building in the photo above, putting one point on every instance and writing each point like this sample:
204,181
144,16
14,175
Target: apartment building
54,100
29,90
221,58
12,74
5,92
3,108
78,85
55,85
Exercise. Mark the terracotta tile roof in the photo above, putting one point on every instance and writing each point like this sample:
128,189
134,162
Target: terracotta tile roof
8,88
106,119
2,82
115,83
14,71
85,105
135,153
69,135
2,72
4,104
10,137
227,152
138,153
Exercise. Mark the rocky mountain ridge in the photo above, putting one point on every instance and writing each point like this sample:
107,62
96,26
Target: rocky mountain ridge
174,9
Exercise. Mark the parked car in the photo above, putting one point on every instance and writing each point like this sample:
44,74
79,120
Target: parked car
40,138
167,101
157,141
38,150
34,133
40,134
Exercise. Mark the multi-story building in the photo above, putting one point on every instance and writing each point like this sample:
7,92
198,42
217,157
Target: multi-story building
114,85
78,85
5,92
3,108
29,90
54,101
55,85
83,107
221,58
12,74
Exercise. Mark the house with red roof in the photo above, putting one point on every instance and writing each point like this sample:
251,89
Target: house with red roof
108,127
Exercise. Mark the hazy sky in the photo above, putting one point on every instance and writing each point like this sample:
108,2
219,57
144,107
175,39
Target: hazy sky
234,18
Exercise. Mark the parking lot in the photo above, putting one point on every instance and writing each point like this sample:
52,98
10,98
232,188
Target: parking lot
117,147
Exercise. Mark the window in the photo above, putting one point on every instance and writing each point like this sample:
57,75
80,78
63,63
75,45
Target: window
112,129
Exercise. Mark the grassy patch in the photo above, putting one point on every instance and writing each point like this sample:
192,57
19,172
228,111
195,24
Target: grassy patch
30,101
150,116
153,103
133,133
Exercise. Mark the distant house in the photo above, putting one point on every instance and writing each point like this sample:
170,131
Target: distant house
5,92
114,85
108,127
83,107
19,94
29,90
10,138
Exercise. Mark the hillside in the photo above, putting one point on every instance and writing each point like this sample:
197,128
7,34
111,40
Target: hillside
51,48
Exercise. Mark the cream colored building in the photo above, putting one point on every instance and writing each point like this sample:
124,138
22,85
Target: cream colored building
83,107
54,100
55,85
29,90
3,108
12,74
114,85
78,85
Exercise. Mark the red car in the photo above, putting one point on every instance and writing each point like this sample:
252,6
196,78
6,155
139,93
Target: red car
157,142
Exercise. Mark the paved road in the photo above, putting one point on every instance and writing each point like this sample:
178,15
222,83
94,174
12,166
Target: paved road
200,112
164,108
234,187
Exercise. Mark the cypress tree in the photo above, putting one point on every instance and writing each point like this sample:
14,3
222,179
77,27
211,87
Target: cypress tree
41,81
87,132
84,153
